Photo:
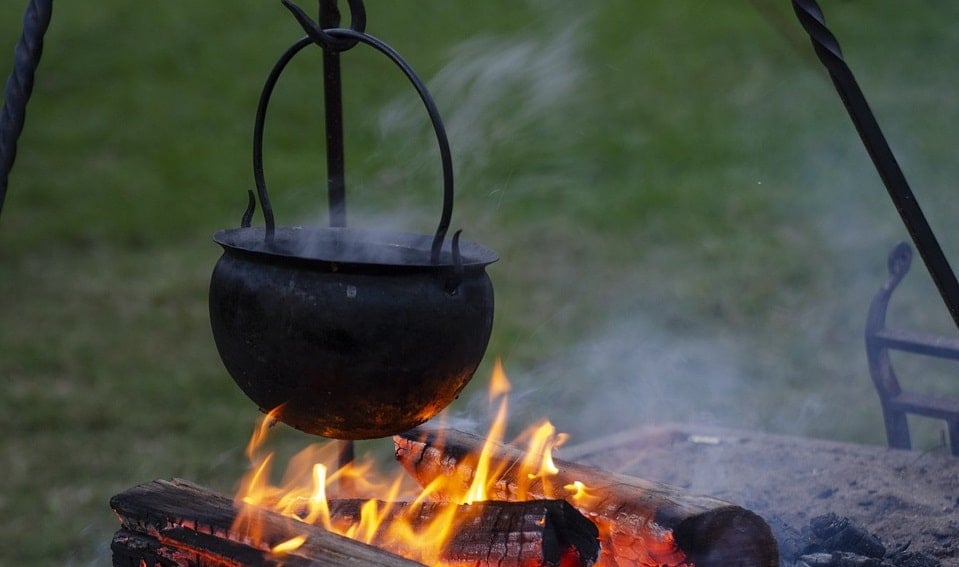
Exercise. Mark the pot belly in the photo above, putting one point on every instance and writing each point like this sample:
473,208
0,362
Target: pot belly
348,355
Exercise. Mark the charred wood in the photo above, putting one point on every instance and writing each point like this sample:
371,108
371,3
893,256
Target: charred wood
643,522
838,533
182,547
831,540
176,523
494,533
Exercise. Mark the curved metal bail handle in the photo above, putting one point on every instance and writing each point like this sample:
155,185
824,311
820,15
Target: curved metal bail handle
258,175
827,49
314,31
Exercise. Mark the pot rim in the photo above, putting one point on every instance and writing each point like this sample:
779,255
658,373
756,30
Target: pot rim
345,246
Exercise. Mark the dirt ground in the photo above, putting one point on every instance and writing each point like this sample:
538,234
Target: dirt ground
902,497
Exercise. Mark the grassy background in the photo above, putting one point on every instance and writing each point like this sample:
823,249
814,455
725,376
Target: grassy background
689,228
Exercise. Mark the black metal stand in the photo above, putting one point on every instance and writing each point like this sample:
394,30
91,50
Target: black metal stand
827,48
896,401
333,101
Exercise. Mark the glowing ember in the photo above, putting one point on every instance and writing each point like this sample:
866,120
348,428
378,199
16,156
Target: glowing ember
307,484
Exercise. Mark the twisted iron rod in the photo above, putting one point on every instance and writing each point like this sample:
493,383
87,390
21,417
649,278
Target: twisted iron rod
827,48
36,19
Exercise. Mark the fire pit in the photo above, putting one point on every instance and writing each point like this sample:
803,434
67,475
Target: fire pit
907,499
897,508
478,502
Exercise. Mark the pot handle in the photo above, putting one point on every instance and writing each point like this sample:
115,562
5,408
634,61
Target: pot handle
316,35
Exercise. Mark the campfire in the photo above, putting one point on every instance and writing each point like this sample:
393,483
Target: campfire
459,500
359,334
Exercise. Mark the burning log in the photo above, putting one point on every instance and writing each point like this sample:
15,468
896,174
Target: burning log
504,534
641,522
182,547
178,523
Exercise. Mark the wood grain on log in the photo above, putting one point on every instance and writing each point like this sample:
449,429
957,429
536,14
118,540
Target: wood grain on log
644,523
191,526
181,547
178,523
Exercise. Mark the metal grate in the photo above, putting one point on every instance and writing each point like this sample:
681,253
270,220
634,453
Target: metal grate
880,340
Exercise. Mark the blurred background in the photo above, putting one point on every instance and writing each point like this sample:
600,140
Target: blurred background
690,229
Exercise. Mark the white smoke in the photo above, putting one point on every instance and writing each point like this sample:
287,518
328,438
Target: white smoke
494,86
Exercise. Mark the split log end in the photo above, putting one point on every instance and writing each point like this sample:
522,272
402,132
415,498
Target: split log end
648,522
730,536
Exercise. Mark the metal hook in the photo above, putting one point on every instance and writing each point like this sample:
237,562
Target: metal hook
323,39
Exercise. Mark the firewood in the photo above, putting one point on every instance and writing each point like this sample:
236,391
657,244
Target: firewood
642,522
185,548
492,533
178,523
173,522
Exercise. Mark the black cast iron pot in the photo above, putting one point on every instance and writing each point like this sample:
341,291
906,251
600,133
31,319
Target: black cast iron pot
348,333
361,336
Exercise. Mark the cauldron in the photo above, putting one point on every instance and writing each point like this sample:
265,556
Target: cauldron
343,332
359,336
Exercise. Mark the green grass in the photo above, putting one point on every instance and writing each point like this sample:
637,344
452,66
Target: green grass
689,228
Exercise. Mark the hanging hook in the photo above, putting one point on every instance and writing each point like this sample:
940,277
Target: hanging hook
323,39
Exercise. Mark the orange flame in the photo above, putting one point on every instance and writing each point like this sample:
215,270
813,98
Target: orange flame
288,546
383,521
